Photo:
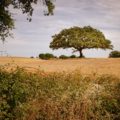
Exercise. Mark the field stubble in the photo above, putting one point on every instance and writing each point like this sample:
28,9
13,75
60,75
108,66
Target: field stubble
85,66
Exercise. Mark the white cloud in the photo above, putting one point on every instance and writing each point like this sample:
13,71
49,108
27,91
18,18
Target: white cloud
34,37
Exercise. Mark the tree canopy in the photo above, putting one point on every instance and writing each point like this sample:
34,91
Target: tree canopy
26,6
80,38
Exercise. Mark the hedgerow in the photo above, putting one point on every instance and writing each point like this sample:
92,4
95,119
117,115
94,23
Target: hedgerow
58,96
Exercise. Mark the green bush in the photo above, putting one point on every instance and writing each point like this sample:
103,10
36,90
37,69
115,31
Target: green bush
42,56
73,56
46,56
58,96
16,89
63,57
31,57
114,54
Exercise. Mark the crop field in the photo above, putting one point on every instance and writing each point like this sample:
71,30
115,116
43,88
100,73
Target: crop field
85,66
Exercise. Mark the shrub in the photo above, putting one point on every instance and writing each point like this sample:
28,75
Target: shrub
16,89
46,56
42,56
73,56
63,57
114,54
31,57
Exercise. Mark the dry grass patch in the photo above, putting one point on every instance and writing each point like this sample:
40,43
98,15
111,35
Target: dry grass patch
58,96
86,66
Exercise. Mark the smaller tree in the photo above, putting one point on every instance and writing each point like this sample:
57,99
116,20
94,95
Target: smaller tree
114,54
79,39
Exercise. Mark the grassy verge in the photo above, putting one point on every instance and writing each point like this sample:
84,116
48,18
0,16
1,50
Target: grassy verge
58,96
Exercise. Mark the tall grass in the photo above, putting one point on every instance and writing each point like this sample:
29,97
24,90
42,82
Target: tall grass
58,96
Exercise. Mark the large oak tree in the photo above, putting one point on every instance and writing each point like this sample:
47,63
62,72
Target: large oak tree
79,39
26,6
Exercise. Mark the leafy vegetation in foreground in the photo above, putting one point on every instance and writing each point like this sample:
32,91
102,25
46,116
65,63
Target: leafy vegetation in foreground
58,96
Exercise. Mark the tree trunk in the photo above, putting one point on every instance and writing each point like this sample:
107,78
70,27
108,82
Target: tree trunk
81,54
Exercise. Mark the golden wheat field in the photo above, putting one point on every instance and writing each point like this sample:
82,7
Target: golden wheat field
85,66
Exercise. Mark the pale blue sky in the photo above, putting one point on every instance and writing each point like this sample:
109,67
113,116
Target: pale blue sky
33,38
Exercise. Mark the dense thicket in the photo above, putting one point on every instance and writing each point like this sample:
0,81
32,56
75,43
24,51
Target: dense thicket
58,96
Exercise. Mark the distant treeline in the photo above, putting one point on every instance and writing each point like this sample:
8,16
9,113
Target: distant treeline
47,56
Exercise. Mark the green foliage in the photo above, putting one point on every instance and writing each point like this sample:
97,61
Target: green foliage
66,57
50,6
58,96
6,23
73,56
46,56
26,6
114,54
31,57
63,57
16,89
79,39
